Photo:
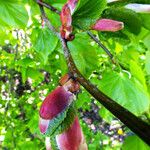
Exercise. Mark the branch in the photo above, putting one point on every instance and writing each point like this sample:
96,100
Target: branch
48,6
88,32
130,120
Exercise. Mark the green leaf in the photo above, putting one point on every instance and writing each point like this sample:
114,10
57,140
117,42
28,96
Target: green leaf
84,53
131,19
33,73
61,121
44,42
87,12
123,90
135,142
145,20
71,113
13,13
138,73
146,41
147,63
106,115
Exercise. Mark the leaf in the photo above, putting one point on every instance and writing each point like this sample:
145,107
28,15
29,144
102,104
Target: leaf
145,20
87,12
33,73
123,90
84,54
138,73
135,142
147,63
131,20
13,13
61,121
71,113
106,115
44,42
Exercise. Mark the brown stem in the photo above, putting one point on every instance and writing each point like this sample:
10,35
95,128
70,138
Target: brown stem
138,126
48,6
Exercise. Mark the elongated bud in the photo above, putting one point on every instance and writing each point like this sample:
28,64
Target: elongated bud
66,20
53,104
108,25
141,8
72,138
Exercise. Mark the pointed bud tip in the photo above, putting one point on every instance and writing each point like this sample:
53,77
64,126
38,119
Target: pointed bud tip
43,125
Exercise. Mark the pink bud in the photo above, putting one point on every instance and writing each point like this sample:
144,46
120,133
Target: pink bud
66,20
108,25
72,5
72,139
53,104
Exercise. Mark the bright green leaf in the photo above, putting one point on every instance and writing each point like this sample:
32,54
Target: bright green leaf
137,72
44,42
13,14
129,94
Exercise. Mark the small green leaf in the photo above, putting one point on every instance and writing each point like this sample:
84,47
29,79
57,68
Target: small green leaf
87,12
44,42
123,90
135,142
13,13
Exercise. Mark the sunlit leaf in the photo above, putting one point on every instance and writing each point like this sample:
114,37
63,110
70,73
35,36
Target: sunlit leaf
123,90
44,42
13,13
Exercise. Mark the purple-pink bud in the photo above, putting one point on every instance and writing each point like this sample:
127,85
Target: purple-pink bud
53,104
108,25
72,4
73,138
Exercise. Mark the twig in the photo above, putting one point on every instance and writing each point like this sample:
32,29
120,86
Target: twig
48,6
130,120
101,45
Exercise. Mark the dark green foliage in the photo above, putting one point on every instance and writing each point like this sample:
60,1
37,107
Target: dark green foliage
131,20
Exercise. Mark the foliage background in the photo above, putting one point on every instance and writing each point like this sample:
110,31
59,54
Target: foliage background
32,62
